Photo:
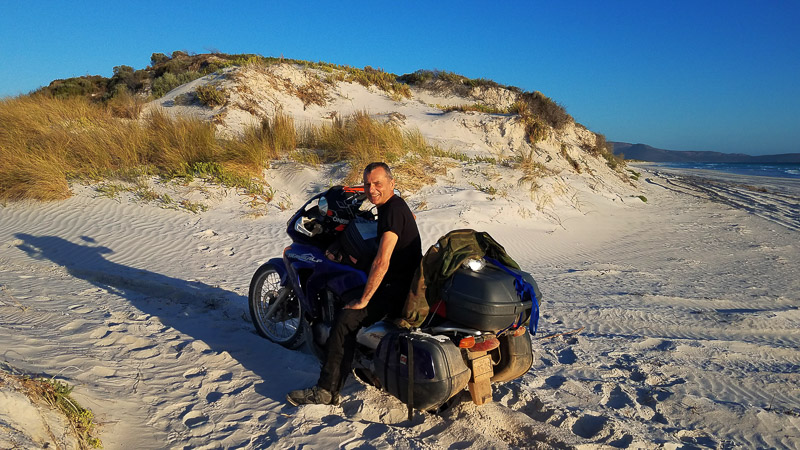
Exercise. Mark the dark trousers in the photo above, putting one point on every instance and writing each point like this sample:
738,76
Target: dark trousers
388,300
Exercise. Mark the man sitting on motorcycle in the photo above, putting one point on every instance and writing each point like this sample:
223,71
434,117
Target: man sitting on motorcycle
388,282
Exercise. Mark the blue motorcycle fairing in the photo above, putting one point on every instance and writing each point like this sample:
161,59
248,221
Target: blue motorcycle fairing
322,274
277,263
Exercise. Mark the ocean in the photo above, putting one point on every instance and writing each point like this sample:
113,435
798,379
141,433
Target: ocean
761,170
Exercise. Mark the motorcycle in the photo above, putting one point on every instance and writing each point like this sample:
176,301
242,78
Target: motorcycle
478,336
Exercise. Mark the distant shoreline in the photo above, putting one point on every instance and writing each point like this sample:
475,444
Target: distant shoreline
777,170
718,172
772,198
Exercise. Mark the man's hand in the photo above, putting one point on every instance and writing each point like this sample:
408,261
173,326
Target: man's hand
357,304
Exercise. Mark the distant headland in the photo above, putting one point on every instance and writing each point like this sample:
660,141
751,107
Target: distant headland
644,152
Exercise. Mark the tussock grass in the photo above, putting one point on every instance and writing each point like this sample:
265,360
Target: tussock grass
271,139
532,170
45,141
125,105
360,140
170,143
479,107
37,177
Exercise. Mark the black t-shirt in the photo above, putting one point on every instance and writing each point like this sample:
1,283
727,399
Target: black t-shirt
396,216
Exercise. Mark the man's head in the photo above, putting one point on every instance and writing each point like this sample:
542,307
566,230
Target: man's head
378,183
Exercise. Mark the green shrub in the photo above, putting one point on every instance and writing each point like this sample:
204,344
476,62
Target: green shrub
195,207
211,95
539,106
169,81
86,86
158,58
488,189
602,148
125,76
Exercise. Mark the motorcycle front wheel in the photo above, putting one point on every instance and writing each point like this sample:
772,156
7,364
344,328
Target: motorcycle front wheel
275,309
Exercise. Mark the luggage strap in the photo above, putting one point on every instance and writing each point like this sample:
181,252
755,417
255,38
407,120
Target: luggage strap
526,293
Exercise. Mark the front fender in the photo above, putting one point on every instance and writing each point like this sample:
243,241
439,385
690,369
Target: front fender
277,264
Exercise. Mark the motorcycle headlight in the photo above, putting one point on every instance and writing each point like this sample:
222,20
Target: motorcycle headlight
474,265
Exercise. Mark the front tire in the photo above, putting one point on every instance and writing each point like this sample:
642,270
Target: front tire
275,309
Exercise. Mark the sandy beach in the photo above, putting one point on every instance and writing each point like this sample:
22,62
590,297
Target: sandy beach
687,307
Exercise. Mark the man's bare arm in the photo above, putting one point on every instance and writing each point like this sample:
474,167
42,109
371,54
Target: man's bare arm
380,265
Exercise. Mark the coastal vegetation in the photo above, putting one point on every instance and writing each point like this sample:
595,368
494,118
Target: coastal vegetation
47,141
168,72
57,395
92,129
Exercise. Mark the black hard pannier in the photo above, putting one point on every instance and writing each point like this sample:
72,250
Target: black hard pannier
439,369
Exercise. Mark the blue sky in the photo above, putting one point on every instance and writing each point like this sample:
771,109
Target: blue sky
682,75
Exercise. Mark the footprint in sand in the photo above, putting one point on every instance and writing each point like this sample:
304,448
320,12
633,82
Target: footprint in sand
588,426
555,381
567,356
220,375
615,397
206,234
601,429
212,397
194,419
194,372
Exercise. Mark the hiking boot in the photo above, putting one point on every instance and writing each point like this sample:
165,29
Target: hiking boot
312,396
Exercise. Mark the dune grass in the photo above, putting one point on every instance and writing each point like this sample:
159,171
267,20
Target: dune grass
46,142
359,140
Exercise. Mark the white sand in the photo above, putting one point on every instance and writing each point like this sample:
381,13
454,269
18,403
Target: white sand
690,310
688,302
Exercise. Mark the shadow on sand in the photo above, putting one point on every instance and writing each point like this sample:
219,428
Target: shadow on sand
177,303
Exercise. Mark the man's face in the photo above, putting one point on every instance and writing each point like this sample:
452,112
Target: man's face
378,186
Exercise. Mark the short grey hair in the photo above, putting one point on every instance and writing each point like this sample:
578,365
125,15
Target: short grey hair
374,165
